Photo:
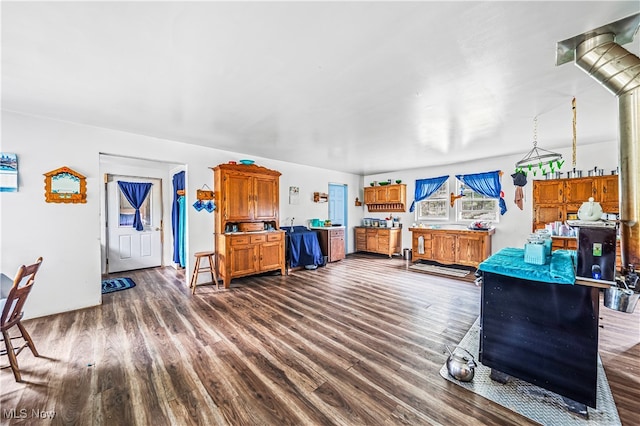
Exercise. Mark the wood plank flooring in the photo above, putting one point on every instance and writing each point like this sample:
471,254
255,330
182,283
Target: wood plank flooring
359,342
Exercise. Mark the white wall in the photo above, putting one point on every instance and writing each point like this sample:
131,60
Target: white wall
515,224
69,236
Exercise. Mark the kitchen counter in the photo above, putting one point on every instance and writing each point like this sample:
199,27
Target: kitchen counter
327,227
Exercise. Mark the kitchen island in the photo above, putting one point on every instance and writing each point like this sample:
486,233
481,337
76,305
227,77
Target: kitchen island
539,325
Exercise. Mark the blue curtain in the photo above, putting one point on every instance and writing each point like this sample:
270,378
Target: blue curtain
487,184
425,188
178,219
135,193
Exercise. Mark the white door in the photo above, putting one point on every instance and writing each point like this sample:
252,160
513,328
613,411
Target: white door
128,248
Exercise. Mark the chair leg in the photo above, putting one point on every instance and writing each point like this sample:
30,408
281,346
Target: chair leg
12,356
28,339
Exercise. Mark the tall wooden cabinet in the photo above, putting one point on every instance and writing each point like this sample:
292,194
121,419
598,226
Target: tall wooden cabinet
247,197
560,199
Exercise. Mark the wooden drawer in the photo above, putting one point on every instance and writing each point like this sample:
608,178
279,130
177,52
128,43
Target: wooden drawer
274,237
240,240
258,238
337,233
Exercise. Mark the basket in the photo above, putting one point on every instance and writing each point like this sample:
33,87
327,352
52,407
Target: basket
535,254
251,226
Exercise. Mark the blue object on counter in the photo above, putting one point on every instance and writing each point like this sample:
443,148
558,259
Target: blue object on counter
303,246
510,262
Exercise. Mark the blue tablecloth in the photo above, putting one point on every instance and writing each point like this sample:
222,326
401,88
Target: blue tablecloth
510,262
303,247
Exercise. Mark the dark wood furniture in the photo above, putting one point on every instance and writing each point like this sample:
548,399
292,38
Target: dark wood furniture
12,313
545,334
451,245
386,241
331,243
247,196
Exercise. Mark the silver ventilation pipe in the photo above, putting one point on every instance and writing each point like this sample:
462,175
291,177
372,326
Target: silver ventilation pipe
618,70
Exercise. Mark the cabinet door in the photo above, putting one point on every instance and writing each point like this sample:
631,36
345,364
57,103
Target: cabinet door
243,260
336,245
548,191
444,248
547,213
361,239
270,255
395,193
607,189
395,242
237,197
470,250
372,240
370,195
579,190
266,198
381,194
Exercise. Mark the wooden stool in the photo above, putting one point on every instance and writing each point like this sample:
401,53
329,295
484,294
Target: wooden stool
197,269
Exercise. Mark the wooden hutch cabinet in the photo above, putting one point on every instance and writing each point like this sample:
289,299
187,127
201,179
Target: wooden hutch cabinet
558,199
247,198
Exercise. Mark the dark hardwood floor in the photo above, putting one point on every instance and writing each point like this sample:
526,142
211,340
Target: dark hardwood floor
359,342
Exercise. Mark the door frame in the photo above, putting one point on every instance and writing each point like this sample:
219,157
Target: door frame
107,177
345,193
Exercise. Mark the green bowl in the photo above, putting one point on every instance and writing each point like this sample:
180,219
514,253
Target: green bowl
398,181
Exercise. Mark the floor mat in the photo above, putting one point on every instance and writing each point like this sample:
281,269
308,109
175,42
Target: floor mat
443,270
538,404
116,284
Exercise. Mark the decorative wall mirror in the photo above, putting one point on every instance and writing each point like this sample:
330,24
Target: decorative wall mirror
64,185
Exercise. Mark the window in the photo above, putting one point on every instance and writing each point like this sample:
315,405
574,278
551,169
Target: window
474,206
436,207
127,212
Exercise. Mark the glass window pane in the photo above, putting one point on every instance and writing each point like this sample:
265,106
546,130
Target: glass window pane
127,212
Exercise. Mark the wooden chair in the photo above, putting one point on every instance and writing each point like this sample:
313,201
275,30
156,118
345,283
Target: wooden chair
211,268
12,315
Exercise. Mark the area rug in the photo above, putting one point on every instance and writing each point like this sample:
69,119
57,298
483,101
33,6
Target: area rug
116,284
538,404
443,270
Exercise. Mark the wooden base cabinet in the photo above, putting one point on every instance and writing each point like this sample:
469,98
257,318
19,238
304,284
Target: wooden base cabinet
451,246
250,253
379,240
331,243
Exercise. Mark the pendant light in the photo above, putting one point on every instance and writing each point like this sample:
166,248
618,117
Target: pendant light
538,158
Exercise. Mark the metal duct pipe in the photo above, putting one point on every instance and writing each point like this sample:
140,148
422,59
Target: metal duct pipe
619,71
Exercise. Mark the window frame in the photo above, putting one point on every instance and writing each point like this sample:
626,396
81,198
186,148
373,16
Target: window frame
441,195
495,211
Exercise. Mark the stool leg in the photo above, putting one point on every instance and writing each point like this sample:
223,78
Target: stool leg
212,269
194,277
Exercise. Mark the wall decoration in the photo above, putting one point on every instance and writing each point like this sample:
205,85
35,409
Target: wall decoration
8,172
294,194
320,197
64,185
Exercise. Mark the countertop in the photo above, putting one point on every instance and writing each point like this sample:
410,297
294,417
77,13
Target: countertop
457,228
327,227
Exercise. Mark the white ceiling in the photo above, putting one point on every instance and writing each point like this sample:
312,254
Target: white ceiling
352,86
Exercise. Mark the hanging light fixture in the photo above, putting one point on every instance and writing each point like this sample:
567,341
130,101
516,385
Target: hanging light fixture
539,158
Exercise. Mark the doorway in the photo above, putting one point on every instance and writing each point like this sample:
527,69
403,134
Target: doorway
129,248
338,207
